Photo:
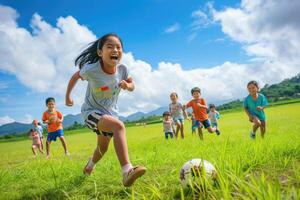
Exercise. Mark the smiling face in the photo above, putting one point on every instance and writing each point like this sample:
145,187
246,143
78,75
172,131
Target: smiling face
51,105
252,89
167,117
196,95
111,52
173,97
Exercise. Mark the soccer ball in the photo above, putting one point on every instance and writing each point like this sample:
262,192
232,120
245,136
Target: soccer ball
193,170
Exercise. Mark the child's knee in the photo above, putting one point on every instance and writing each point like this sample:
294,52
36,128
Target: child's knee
209,129
257,122
118,125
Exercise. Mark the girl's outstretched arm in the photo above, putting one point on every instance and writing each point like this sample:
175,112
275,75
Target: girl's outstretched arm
72,83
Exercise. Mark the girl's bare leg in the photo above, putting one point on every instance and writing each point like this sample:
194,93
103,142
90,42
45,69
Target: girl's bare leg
200,132
34,151
263,129
181,130
41,150
63,142
48,148
102,146
177,129
111,124
42,145
256,124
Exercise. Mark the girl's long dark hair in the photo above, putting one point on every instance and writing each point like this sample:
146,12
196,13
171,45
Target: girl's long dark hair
89,55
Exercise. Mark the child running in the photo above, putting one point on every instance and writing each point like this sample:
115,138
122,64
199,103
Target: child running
254,105
38,128
167,124
176,110
199,107
214,115
36,142
53,118
99,65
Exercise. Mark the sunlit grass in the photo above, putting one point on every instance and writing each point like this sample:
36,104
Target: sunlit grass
261,169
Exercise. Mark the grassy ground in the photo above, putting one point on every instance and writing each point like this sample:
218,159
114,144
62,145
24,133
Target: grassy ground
260,169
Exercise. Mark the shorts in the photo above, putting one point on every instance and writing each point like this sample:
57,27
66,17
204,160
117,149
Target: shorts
168,133
205,123
53,135
92,122
179,120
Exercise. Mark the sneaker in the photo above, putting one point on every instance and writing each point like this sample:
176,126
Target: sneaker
67,153
132,175
88,170
252,135
218,132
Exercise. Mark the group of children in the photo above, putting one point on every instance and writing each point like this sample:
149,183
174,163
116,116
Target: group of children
254,105
99,65
53,119
173,120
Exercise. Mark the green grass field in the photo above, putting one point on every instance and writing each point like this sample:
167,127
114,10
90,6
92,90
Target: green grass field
260,169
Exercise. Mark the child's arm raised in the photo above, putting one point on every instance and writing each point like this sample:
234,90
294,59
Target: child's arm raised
71,85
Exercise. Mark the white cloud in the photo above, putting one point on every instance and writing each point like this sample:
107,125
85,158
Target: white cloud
174,28
267,28
43,60
6,120
27,119
202,17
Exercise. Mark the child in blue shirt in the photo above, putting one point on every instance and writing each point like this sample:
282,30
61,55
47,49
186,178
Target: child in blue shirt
254,105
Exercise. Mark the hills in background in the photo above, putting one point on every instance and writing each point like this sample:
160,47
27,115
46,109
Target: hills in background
69,120
287,89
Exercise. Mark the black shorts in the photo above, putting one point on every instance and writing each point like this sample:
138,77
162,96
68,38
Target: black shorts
92,122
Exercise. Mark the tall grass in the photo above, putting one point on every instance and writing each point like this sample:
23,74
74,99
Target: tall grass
247,169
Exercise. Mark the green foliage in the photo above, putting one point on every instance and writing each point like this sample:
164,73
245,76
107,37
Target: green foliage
283,92
247,169
287,89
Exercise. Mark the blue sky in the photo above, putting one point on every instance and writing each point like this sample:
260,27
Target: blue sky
141,25
159,33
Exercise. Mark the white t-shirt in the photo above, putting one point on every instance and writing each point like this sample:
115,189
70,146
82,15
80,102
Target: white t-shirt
103,89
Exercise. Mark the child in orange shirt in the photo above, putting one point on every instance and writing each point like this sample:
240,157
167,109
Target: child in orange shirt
199,107
54,119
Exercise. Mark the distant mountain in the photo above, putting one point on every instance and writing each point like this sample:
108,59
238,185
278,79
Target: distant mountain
135,116
157,112
17,127
14,127
71,119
